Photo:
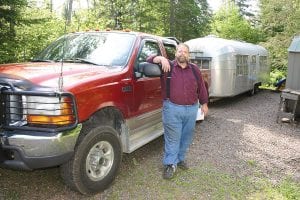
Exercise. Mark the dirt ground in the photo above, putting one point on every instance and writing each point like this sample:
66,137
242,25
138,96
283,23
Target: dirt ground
243,129
238,131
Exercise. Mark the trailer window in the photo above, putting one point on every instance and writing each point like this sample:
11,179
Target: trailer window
241,65
202,63
253,59
263,61
198,59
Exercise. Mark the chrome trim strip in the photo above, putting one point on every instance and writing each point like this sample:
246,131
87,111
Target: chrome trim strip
141,130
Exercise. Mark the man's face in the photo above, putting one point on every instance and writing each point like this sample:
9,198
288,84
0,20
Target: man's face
182,54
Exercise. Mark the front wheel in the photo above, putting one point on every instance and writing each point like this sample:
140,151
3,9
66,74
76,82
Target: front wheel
96,161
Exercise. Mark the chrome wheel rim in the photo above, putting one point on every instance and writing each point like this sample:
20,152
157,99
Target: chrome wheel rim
99,160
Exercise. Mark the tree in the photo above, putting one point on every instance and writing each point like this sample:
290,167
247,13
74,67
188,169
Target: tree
10,14
68,11
41,29
280,22
189,19
229,24
10,17
36,25
243,6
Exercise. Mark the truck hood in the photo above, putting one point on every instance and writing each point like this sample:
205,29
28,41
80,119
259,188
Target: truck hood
47,74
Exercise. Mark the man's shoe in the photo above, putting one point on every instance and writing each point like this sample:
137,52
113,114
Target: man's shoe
182,165
169,171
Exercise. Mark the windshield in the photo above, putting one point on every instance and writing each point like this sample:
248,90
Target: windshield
108,49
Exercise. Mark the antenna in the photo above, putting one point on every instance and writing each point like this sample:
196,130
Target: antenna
60,78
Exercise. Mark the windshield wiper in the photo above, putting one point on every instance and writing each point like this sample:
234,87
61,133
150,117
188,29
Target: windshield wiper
81,60
84,61
41,60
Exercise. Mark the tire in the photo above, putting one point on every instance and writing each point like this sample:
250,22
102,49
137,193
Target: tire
254,90
95,163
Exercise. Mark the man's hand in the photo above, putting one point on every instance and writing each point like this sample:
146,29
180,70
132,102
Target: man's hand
204,109
165,65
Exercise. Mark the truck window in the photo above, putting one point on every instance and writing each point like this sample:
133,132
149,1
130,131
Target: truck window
149,48
107,48
170,50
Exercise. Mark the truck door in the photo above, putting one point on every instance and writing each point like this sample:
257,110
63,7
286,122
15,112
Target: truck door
147,91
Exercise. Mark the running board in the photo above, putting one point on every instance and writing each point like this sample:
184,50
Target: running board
132,140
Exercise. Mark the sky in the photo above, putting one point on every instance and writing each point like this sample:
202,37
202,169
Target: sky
215,4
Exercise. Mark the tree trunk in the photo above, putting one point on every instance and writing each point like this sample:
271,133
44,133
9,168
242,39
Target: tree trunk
51,6
172,17
69,11
12,30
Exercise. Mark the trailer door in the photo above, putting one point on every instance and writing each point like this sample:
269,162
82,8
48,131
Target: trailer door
252,71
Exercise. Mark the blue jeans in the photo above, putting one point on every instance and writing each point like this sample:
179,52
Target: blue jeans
179,125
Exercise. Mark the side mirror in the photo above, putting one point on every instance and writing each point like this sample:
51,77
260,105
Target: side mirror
149,69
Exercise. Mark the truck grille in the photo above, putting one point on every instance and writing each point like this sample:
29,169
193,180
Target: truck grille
36,110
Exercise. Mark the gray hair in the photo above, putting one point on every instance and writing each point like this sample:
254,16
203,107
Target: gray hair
183,44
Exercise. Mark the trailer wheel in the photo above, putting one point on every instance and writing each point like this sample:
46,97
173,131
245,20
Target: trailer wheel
254,90
95,162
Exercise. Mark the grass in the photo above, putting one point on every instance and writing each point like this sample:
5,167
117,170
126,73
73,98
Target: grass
203,182
143,181
137,182
287,189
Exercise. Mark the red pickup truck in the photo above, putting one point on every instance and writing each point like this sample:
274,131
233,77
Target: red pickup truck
80,104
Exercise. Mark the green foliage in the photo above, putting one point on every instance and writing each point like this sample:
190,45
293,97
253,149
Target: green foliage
191,19
287,189
25,30
278,49
33,37
34,27
280,21
229,24
243,6
7,47
141,15
275,76
10,16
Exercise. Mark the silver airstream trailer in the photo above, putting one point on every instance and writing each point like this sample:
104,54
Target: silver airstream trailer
235,67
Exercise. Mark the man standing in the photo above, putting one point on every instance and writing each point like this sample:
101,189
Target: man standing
181,96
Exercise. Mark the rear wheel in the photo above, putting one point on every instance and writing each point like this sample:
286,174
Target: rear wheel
254,90
95,162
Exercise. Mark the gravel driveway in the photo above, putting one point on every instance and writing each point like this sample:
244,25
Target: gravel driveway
239,132
243,129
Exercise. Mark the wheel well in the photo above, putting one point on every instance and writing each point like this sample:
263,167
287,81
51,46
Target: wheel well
257,84
108,116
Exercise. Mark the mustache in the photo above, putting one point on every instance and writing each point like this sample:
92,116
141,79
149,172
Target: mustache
182,59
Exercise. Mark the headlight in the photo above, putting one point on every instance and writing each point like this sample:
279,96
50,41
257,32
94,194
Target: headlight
49,110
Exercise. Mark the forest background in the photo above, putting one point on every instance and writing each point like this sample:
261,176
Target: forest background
28,26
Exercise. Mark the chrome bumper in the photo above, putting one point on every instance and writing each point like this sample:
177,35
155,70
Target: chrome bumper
37,150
